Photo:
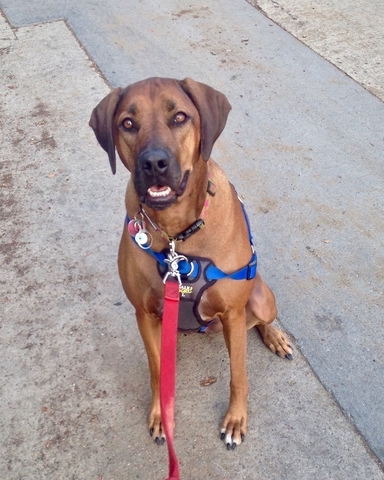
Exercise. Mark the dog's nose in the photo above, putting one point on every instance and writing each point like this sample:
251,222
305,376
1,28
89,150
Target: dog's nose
154,161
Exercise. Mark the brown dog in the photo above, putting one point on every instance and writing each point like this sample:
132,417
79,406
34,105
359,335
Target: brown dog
164,131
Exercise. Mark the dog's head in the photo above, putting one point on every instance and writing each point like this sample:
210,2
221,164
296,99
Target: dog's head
160,128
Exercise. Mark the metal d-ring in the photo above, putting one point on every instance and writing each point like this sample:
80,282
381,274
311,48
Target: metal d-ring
192,269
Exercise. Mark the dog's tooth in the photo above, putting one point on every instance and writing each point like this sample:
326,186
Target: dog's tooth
162,193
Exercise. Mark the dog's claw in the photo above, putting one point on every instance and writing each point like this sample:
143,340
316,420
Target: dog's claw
231,441
160,441
288,356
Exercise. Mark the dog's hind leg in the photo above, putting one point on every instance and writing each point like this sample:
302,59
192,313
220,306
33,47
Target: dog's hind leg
261,311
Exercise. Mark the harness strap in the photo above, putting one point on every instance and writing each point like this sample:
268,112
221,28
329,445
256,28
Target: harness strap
212,273
246,273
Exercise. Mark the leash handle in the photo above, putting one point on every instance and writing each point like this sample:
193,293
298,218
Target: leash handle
168,370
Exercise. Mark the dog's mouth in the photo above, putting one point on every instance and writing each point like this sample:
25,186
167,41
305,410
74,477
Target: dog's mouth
160,197
159,191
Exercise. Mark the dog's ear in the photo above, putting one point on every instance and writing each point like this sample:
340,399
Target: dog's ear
101,121
213,108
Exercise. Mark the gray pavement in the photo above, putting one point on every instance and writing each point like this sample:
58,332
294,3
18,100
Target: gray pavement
304,145
348,33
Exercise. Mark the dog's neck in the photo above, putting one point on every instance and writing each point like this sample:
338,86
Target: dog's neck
187,209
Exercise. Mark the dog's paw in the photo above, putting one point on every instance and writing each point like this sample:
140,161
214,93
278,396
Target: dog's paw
155,430
229,439
276,341
158,438
233,431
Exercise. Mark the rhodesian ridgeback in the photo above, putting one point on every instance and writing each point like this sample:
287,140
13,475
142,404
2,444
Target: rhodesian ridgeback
179,198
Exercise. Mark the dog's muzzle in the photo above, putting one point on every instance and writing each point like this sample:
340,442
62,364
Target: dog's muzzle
158,178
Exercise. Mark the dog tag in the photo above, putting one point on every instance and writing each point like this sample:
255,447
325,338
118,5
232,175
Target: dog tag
141,238
132,228
135,226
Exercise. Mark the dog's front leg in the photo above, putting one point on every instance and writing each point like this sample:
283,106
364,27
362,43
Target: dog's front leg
234,427
150,330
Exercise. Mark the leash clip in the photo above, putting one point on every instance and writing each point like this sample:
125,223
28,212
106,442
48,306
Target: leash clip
173,263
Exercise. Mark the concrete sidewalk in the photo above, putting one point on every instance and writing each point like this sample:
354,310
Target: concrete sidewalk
74,382
348,33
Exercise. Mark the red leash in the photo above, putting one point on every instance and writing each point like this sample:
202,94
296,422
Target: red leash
168,370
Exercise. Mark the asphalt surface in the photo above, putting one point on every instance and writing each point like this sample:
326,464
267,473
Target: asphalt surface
303,145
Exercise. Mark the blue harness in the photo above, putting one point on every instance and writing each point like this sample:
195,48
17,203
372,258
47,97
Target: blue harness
196,275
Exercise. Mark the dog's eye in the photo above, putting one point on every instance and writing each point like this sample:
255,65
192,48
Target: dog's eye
179,118
128,124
